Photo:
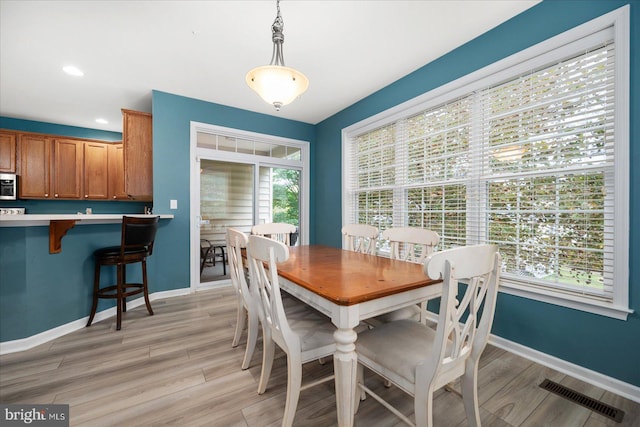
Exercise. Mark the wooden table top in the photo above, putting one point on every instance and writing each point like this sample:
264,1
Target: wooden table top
348,278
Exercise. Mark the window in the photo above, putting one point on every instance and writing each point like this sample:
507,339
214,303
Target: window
529,154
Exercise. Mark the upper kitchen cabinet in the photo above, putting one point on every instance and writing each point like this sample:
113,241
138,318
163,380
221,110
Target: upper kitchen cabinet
138,154
35,165
68,158
96,170
116,172
8,152
50,168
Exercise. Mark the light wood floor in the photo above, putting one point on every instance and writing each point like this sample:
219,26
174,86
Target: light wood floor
178,368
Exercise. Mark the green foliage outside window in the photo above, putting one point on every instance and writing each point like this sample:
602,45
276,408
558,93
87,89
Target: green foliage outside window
286,196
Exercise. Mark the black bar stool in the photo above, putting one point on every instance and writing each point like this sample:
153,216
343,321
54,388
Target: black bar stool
138,235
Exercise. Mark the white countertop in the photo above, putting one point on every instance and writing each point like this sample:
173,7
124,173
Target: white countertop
31,220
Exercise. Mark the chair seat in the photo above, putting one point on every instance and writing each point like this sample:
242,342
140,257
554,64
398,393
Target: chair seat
313,328
112,253
400,346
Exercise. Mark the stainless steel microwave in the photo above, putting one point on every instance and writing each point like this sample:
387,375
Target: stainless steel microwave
8,186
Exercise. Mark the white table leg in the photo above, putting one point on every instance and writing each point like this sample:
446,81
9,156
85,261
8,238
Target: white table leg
345,362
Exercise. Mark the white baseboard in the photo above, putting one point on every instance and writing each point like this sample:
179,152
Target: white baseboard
626,390
46,336
213,285
597,379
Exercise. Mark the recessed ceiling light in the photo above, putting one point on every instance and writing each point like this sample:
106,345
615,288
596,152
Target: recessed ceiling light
74,71
102,121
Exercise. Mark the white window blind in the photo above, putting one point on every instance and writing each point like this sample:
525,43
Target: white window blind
524,158
549,140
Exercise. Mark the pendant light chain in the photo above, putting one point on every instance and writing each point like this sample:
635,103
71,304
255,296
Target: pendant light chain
277,30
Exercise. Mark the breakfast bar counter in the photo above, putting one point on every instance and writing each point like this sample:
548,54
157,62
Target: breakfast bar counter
59,224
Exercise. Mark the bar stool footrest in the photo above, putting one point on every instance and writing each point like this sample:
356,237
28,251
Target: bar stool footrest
111,291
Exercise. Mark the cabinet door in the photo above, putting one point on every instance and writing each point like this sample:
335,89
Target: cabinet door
138,154
116,172
35,162
7,152
96,182
67,169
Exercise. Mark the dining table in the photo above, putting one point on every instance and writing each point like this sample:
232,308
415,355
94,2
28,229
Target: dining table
350,287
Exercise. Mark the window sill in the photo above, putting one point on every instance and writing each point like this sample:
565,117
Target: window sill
588,305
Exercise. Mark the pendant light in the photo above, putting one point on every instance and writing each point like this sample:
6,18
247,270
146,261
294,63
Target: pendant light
276,83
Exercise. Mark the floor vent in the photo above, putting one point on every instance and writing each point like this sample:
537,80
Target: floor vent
595,405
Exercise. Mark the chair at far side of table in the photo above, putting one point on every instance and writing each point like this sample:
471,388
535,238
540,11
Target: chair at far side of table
136,245
279,231
360,238
411,244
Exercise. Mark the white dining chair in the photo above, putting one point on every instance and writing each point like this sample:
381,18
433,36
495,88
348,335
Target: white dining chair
247,308
418,359
411,244
360,238
304,335
248,311
279,231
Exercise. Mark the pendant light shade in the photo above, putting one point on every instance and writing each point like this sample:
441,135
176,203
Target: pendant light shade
276,83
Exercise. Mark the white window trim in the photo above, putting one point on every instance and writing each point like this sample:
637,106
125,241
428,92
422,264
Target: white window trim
620,20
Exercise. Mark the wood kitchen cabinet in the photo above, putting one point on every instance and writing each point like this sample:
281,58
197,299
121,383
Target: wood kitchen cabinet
66,177
138,154
8,144
54,167
50,168
116,172
35,166
96,171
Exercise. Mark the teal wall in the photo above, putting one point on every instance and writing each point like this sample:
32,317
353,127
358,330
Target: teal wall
39,291
602,344
172,115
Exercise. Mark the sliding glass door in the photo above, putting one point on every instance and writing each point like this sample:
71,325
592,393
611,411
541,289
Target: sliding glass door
242,180
226,200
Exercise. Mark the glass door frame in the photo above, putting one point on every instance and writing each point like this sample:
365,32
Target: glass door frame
198,153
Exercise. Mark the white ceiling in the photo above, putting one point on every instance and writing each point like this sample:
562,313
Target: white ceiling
203,49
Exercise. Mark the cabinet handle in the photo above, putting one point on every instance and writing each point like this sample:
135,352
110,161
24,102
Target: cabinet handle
114,197
86,195
46,194
55,195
